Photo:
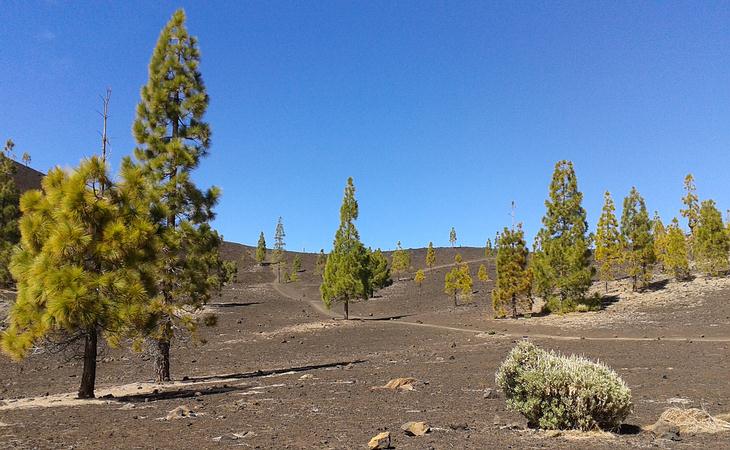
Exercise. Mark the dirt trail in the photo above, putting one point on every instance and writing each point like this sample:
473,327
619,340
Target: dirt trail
294,291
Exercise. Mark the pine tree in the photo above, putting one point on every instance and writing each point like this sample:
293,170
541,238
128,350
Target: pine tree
659,232
297,264
430,255
172,138
452,236
482,274
636,234
609,246
458,282
676,259
279,246
85,266
514,277
378,271
261,249
321,262
9,215
26,159
488,249
419,278
401,260
691,210
561,262
711,244
346,272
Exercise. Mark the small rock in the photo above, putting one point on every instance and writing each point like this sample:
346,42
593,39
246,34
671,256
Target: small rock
380,441
415,428
461,426
490,393
306,376
666,430
181,412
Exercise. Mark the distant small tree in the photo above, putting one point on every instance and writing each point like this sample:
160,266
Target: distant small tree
452,236
26,159
378,271
691,210
514,277
401,260
636,233
9,149
279,246
458,281
488,249
321,262
711,240
609,245
294,274
261,249
660,241
676,257
430,255
419,279
346,272
482,274
297,264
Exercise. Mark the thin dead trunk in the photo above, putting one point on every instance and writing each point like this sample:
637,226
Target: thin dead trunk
88,378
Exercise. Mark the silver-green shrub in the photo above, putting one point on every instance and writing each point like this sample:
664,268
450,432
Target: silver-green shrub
563,392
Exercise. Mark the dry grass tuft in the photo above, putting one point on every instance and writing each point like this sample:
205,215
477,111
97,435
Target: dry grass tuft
694,420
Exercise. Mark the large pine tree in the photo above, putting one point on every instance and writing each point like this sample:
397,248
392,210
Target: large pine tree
711,243
561,261
85,264
609,246
9,214
346,273
636,233
514,277
172,138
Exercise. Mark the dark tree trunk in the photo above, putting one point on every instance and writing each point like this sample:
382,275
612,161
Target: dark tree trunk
455,303
347,310
162,360
514,306
607,287
88,378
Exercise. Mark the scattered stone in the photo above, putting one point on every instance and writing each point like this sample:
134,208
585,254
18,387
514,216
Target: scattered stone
380,441
181,412
490,393
233,436
512,426
402,383
306,376
415,428
665,430
461,426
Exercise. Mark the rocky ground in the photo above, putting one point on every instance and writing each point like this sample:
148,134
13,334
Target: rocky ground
279,371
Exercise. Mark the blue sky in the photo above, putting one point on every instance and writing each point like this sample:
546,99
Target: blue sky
443,112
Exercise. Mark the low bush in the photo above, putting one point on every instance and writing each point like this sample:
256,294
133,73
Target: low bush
562,392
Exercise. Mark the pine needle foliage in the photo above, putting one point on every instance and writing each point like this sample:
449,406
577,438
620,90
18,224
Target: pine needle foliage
659,232
346,272
430,255
609,245
378,271
452,236
561,261
419,278
636,233
711,243
482,274
513,285
691,210
172,139
85,265
9,215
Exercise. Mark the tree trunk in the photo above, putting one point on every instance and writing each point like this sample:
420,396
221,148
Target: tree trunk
347,310
455,304
606,286
162,360
88,378
514,306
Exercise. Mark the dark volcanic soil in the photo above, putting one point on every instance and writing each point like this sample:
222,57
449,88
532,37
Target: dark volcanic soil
278,371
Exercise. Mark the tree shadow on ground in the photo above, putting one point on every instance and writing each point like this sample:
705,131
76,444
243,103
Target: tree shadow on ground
263,373
176,394
233,304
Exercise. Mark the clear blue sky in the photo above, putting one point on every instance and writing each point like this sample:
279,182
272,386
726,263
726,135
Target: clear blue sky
443,112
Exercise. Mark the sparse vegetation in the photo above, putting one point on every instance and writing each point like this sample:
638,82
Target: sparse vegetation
563,392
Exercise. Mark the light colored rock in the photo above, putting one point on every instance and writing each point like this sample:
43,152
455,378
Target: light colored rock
415,428
181,412
380,441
